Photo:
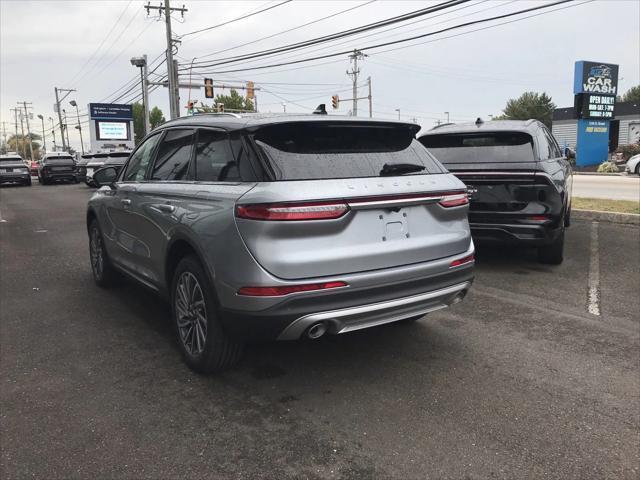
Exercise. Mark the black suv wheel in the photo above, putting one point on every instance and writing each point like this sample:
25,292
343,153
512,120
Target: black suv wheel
204,345
553,254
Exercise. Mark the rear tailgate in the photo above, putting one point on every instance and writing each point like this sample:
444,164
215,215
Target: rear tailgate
330,213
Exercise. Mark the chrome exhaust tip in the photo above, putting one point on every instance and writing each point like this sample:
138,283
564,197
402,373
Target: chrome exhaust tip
316,330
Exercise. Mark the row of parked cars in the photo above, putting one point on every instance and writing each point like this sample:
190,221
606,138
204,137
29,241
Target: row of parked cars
57,167
291,227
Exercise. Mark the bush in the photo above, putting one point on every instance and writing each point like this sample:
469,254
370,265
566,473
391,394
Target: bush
629,151
607,167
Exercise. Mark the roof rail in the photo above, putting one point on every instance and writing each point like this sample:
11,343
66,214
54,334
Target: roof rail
218,114
442,125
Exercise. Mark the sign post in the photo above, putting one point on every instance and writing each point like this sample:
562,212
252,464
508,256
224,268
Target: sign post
595,85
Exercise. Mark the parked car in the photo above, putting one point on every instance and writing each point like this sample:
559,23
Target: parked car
14,170
55,167
282,227
518,179
81,167
117,160
633,165
95,162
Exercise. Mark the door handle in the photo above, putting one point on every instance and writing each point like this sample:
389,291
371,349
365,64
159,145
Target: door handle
166,208
126,202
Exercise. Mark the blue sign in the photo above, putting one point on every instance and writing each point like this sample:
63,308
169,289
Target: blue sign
593,142
595,77
110,111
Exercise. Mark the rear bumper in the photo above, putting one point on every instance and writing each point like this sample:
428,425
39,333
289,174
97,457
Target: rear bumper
523,232
15,177
59,176
352,308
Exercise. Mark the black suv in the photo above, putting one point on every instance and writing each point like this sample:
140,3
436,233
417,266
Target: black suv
57,166
518,179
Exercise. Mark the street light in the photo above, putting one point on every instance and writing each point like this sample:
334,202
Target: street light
398,110
74,104
44,139
53,132
447,114
141,63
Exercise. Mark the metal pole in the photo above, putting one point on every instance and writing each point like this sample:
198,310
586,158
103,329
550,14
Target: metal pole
170,65
398,110
15,115
66,128
64,146
176,84
44,138
53,133
447,114
80,129
26,114
369,97
24,148
144,71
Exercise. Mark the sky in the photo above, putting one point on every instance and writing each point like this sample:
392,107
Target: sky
86,46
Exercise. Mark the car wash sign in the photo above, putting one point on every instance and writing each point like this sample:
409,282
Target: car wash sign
596,77
595,85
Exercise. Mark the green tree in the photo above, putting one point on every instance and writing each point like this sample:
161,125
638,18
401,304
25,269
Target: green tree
530,105
156,118
631,95
232,102
20,145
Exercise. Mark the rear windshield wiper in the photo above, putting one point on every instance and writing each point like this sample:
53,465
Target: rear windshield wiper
389,169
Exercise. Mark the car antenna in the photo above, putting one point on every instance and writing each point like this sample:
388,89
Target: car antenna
320,110
479,121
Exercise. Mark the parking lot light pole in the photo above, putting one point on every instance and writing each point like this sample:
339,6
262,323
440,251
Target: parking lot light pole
53,132
79,127
141,62
44,138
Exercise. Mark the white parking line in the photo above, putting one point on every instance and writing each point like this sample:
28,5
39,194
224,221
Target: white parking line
594,273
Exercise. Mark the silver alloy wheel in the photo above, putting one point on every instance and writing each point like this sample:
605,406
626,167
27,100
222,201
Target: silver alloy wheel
191,313
96,251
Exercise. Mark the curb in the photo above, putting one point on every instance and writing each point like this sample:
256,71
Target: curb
610,217
618,174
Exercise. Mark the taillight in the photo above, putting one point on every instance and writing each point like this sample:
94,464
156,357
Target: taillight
463,261
538,218
293,211
456,199
288,289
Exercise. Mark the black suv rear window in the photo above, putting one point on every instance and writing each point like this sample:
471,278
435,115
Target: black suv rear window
303,151
10,159
485,147
58,159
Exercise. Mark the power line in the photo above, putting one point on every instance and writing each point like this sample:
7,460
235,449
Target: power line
287,30
395,42
235,19
333,36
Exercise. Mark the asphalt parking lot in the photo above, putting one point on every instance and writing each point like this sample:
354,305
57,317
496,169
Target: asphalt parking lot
517,381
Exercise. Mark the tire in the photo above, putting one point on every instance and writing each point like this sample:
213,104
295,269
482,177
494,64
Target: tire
28,182
553,254
205,346
638,169
104,274
567,217
40,180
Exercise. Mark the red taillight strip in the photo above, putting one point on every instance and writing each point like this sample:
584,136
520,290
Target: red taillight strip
454,200
288,289
293,211
463,261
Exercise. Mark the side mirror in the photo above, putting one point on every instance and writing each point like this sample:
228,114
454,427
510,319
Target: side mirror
105,176
569,153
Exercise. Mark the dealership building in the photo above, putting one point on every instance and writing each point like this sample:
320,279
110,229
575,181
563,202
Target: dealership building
623,130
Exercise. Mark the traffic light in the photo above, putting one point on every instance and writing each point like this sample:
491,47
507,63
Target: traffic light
208,87
250,91
335,101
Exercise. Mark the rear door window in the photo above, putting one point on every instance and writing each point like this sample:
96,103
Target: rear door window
485,147
174,156
310,151
215,161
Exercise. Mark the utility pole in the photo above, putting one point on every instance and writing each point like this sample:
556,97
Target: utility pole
172,71
26,116
354,57
58,100
4,138
369,97
66,128
24,148
15,116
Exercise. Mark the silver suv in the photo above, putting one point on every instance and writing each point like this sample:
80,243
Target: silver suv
274,227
